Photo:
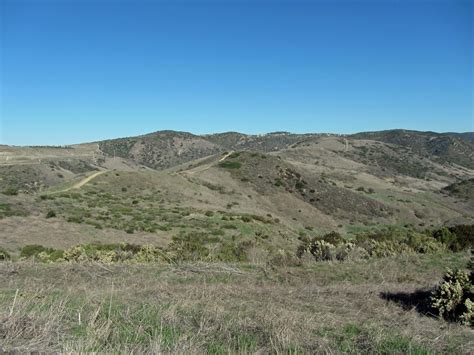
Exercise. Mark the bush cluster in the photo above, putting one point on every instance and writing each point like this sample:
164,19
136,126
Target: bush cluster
333,246
184,247
196,246
456,238
453,299
104,253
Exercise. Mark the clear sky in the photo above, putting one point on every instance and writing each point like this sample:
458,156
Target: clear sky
84,70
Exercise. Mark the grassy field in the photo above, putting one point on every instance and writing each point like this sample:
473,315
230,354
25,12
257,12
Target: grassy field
372,306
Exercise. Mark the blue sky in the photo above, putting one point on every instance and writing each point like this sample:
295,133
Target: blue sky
83,70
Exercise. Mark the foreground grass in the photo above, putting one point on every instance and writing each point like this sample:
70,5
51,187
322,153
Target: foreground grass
222,308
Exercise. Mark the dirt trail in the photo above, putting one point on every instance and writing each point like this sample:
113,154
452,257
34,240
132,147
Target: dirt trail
207,166
84,181
81,183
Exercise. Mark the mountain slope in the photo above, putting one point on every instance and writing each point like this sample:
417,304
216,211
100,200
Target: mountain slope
160,150
440,147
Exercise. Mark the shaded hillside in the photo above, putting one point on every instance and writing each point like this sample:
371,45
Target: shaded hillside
269,174
467,136
387,160
437,146
463,189
266,142
160,150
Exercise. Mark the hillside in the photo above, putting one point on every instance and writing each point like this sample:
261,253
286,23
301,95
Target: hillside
445,148
240,237
463,190
160,150
312,182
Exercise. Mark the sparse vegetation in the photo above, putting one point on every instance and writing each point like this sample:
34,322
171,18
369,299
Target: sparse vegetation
230,164
11,191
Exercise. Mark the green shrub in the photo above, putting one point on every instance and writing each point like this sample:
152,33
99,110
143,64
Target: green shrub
231,252
278,182
454,297
182,250
41,253
322,250
230,164
11,191
282,258
111,253
4,255
456,238
299,185
149,254
333,238
29,251
384,243
464,237
422,243
50,214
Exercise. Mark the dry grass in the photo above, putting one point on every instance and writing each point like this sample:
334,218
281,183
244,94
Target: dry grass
221,308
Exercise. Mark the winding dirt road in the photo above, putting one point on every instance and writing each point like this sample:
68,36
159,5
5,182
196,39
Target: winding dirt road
207,166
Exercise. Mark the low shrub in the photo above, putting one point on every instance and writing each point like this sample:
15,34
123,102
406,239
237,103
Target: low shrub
232,252
11,191
185,250
50,214
41,253
464,237
29,251
383,243
454,297
112,253
4,255
278,182
230,164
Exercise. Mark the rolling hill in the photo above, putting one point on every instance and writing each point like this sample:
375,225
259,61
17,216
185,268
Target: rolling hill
305,182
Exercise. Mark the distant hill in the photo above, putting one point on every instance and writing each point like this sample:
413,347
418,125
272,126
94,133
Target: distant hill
269,142
162,149
441,147
165,149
